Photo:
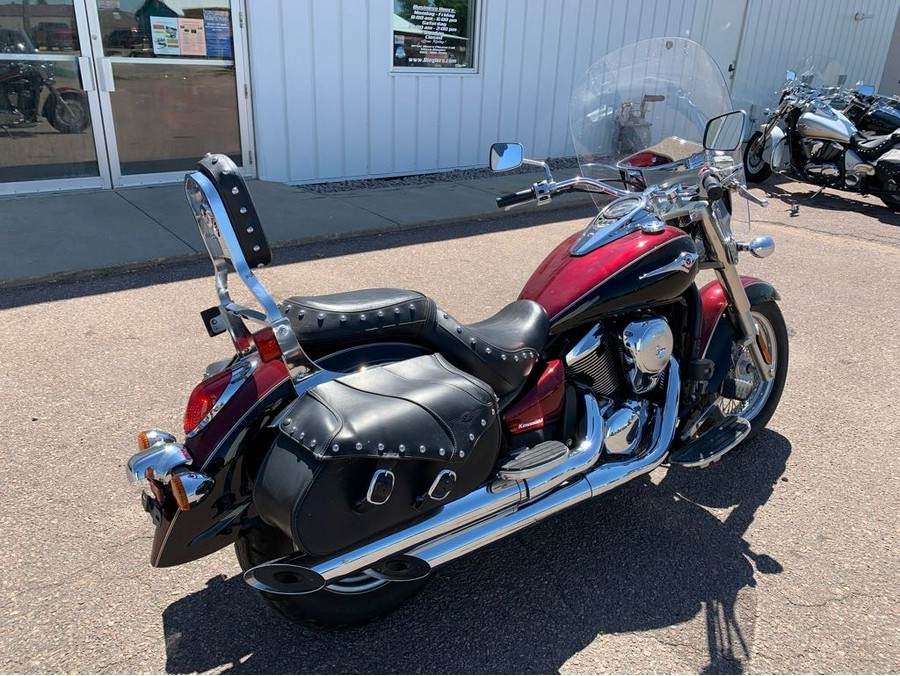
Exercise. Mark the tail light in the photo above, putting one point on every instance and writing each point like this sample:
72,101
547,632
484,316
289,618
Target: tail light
646,158
204,398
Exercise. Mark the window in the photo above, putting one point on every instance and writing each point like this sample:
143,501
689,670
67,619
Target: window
434,34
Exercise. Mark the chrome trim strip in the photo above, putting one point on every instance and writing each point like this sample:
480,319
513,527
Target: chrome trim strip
240,372
682,263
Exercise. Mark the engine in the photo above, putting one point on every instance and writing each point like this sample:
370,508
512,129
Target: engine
618,364
822,157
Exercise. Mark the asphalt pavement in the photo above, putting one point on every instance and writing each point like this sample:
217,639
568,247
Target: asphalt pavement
783,557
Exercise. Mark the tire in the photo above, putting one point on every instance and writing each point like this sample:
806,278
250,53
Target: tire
892,201
764,397
755,167
336,605
69,113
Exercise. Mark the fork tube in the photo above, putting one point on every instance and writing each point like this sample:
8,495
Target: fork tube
730,280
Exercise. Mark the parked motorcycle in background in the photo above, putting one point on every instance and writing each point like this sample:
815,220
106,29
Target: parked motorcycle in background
357,441
22,90
805,138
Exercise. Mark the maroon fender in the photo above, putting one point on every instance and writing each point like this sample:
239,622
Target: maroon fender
541,404
215,522
578,289
713,301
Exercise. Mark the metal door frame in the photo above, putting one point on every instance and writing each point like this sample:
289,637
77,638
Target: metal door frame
96,77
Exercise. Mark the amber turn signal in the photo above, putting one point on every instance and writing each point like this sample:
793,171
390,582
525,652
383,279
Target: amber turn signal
189,488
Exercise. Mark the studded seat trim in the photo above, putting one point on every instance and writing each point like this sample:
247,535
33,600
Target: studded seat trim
500,350
872,148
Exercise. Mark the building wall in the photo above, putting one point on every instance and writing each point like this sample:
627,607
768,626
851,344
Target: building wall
327,106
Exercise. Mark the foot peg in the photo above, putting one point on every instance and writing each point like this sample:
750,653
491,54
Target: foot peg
530,462
712,444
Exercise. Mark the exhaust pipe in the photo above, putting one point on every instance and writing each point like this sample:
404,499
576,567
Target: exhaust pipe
483,516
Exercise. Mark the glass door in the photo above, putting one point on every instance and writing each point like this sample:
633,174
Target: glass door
168,74
49,139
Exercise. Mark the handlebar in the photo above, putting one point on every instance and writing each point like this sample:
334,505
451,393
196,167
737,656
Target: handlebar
515,198
713,187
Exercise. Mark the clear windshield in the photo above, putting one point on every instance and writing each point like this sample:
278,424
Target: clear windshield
657,94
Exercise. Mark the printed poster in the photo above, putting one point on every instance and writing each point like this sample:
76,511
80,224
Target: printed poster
192,36
217,23
164,33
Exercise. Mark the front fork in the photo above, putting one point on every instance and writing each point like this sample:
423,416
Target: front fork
730,280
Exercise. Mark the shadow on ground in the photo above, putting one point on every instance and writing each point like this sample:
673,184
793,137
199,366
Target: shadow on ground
643,557
830,199
165,273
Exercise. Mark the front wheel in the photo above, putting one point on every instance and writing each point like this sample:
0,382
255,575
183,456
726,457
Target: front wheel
68,112
764,396
350,601
756,169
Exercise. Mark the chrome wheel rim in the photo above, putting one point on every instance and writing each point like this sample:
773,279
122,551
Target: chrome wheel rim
743,369
754,156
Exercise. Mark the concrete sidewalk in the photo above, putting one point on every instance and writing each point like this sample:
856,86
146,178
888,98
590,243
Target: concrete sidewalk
63,235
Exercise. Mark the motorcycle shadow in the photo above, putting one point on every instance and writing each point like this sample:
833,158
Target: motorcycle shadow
643,557
833,200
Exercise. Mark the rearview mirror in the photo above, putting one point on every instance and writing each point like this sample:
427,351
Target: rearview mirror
865,90
725,132
790,76
506,156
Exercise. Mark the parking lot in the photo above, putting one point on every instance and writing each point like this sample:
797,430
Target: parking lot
783,557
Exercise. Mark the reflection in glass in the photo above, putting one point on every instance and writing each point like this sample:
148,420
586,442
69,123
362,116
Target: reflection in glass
168,116
45,121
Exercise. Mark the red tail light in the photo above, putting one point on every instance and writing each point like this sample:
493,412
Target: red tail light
646,158
204,398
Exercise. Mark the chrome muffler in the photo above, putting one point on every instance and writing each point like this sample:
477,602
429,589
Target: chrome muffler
483,516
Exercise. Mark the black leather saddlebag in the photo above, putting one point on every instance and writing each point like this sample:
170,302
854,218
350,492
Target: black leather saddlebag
887,168
414,419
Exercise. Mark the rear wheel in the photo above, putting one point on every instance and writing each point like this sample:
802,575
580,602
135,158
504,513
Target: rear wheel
764,395
355,599
756,168
892,201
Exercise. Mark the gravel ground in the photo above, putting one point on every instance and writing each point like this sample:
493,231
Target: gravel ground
425,179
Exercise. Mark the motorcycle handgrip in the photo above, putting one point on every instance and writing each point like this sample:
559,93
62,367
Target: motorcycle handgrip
714,189
515,198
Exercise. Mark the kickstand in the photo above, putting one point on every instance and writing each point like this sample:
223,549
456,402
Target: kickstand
817,193
8,132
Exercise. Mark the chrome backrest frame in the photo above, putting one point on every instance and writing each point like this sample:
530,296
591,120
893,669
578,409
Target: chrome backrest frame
224,249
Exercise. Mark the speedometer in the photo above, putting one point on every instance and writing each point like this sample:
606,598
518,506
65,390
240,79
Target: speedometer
621,207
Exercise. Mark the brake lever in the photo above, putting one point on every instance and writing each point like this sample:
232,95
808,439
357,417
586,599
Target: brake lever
746,194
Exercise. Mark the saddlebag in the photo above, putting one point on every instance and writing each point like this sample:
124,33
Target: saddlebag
887,168
375,450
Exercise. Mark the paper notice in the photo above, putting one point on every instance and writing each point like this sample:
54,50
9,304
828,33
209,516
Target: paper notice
193,37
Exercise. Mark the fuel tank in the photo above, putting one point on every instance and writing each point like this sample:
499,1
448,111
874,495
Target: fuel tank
639,269
825,123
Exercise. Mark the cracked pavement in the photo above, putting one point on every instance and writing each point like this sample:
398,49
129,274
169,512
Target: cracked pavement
783,557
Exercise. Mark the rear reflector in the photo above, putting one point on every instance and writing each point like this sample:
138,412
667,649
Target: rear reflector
267,345
204,398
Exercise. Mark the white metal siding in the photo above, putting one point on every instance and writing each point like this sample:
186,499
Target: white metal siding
327,106
778,35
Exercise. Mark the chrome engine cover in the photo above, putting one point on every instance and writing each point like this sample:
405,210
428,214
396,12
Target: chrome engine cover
648,347
624,425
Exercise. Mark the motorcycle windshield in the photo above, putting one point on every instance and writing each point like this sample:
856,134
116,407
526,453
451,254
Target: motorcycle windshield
656,95
821,71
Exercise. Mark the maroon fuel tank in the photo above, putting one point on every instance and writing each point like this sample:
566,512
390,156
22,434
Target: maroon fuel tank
636,270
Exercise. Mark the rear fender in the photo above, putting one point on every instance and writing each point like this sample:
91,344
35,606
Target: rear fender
717,331
230,449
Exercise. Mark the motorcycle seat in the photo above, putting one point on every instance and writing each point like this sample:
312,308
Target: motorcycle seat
500,350
872,148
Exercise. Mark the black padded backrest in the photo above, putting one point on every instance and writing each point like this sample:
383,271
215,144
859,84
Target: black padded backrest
229,183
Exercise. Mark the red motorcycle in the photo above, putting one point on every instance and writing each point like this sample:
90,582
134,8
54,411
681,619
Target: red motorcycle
356,441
